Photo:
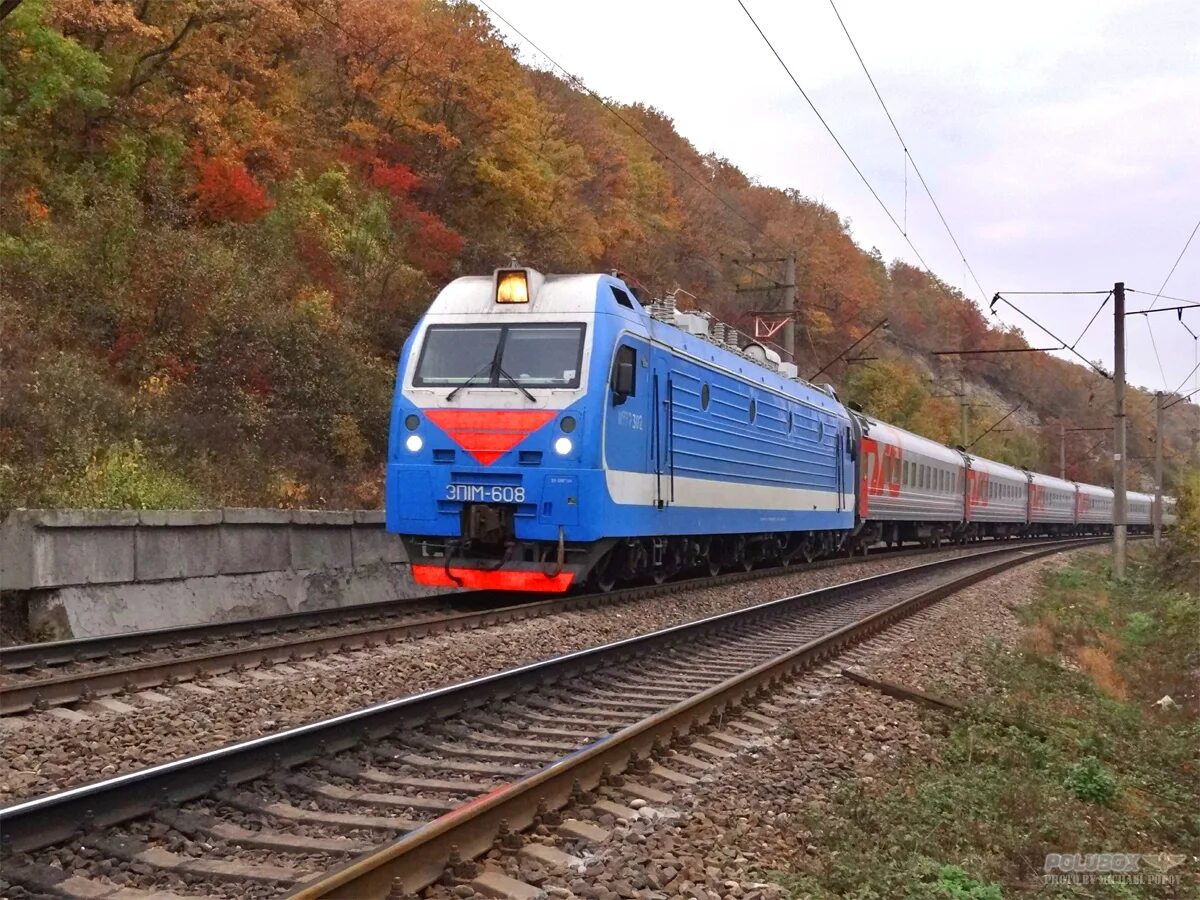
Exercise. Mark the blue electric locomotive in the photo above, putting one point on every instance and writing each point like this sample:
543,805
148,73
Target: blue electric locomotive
548,430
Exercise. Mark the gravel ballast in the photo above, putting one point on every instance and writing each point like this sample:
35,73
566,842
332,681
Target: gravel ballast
61,748
720,837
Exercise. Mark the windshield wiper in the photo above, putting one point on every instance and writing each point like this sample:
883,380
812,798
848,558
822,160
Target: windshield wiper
520,387
487,367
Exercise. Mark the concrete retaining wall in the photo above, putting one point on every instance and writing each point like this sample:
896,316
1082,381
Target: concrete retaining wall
76,573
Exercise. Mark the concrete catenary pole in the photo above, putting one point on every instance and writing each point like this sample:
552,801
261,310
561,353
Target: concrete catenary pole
1062,451
1158,467
1119,461
963,411
790,306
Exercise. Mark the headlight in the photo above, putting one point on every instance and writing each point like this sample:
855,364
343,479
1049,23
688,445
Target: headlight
567,424
563,446
414,443
411,421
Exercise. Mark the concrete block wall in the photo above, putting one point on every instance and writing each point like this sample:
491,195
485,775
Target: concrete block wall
81,572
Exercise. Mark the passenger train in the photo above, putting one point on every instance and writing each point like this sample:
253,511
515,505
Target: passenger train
550,431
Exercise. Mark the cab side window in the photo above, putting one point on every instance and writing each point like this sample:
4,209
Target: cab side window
624,373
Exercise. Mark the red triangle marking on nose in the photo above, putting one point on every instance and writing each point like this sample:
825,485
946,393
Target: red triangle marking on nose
487,434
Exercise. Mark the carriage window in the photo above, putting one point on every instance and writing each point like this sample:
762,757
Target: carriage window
906,473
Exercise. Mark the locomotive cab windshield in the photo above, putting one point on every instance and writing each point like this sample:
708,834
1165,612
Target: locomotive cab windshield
537,355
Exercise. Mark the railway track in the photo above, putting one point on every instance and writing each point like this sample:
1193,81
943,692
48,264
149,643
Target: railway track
39,676
439,777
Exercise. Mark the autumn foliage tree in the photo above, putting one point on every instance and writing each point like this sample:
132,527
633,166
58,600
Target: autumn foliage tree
225,192
219,219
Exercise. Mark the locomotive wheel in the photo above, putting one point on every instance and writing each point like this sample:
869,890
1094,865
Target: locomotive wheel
604,575
714,565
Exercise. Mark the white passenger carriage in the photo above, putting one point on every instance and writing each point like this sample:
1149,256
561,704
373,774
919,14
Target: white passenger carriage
911,488
1051,504
1093,508
1139,510
997,499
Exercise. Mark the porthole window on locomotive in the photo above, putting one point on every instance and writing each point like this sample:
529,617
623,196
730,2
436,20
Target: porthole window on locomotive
753,410
820,430
704,396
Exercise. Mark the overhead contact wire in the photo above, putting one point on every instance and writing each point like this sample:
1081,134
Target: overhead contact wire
631,126
845,152
908,156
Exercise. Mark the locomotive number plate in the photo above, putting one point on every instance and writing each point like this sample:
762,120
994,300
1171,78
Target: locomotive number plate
485,493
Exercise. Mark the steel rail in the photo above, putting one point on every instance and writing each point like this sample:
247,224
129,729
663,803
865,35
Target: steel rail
70,687
45,654
52,818
419,858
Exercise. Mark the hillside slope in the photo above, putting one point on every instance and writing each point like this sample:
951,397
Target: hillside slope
219,218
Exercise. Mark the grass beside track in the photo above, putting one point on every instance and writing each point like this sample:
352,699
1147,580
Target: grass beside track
1084,762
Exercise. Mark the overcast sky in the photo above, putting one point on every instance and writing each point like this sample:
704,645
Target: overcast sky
1061,139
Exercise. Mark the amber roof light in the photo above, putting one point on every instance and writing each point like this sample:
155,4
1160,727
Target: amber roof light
512,286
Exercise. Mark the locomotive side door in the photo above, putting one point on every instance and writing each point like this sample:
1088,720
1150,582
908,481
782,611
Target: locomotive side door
629,415
662,443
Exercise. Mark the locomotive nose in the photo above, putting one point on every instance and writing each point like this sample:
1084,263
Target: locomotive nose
488,434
